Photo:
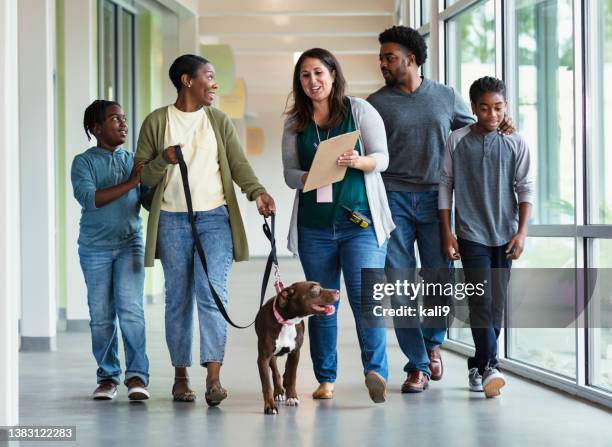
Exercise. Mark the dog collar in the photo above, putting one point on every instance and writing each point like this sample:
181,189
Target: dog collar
280,318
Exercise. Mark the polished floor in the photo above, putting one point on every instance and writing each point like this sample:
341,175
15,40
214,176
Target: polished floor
55,389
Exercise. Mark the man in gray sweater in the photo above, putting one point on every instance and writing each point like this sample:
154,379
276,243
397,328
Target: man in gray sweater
418,114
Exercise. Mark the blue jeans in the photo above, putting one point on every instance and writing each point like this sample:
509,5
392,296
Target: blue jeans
324,252
416,219
115,286
485,265
185,281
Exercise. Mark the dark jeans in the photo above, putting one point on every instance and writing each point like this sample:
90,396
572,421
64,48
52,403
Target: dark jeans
488,266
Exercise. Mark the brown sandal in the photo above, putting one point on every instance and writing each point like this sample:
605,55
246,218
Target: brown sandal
187,396
215,394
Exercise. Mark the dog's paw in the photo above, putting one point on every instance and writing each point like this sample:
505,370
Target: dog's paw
271,409
292,402
279,397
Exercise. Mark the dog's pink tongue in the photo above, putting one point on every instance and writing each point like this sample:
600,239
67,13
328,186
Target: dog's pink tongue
329,310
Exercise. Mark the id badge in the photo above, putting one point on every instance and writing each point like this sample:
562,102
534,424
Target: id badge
325,194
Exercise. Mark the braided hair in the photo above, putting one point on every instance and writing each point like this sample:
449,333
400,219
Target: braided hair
95,113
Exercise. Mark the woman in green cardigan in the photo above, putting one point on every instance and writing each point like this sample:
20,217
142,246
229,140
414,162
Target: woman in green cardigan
215,160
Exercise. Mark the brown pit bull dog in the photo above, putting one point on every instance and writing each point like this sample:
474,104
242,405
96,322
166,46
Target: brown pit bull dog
280,330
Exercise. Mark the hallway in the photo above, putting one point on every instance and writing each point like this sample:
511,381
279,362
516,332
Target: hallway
55,389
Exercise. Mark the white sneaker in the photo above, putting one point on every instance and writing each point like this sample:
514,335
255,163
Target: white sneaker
492,381
475,380
137,389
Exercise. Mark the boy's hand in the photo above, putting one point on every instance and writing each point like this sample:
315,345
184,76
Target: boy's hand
506,127
134,179
265,204
515,247
451,247
170,155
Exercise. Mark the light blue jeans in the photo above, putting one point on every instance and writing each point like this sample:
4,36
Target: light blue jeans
416,219
115,284
186,282
324,253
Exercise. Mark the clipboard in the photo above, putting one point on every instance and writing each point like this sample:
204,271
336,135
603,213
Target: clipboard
324,169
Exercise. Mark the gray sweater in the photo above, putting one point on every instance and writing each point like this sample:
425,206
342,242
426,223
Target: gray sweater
418,125
491,175
373,142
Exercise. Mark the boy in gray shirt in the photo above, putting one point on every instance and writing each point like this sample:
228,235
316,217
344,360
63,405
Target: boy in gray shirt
494,190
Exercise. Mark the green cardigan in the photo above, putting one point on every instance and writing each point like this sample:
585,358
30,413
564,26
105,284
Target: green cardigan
233,164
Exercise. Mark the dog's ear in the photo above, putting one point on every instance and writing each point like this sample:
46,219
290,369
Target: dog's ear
285,295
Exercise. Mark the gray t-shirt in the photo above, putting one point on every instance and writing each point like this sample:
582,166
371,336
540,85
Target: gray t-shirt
491,175
417,126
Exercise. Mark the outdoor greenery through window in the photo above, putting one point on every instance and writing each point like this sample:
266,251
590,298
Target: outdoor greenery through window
542,96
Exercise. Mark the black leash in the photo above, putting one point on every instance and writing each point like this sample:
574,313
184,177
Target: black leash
269,232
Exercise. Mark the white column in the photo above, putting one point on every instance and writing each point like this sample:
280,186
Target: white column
80,77
9,216
37,160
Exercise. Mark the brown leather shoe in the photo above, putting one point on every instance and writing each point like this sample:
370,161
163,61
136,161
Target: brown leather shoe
435,363
415,383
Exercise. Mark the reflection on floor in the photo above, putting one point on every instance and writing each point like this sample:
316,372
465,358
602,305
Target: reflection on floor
55,389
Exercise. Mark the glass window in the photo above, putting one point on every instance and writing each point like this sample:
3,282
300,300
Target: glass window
600,336
109,52
116,61
127,74
471,46
425,67
601,154
541,98
425,6
553,349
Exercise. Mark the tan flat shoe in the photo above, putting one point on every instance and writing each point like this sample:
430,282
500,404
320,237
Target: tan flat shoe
324,391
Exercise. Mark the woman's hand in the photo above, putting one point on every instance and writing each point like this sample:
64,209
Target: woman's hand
170,155
350,159
265,204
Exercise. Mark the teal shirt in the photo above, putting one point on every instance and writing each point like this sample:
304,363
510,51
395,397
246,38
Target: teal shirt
118,222
349,192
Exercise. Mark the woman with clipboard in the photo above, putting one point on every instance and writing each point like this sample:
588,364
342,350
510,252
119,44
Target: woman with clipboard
328,238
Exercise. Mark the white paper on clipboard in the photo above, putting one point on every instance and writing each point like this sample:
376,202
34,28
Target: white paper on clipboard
324,169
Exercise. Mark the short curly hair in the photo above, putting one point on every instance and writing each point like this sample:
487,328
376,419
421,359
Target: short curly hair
484,85
408,38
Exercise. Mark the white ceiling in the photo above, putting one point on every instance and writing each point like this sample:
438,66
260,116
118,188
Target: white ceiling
265,34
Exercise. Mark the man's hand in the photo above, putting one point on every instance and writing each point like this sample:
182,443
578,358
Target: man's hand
265,204
170,155
450,246
134,179
506,127
515,247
